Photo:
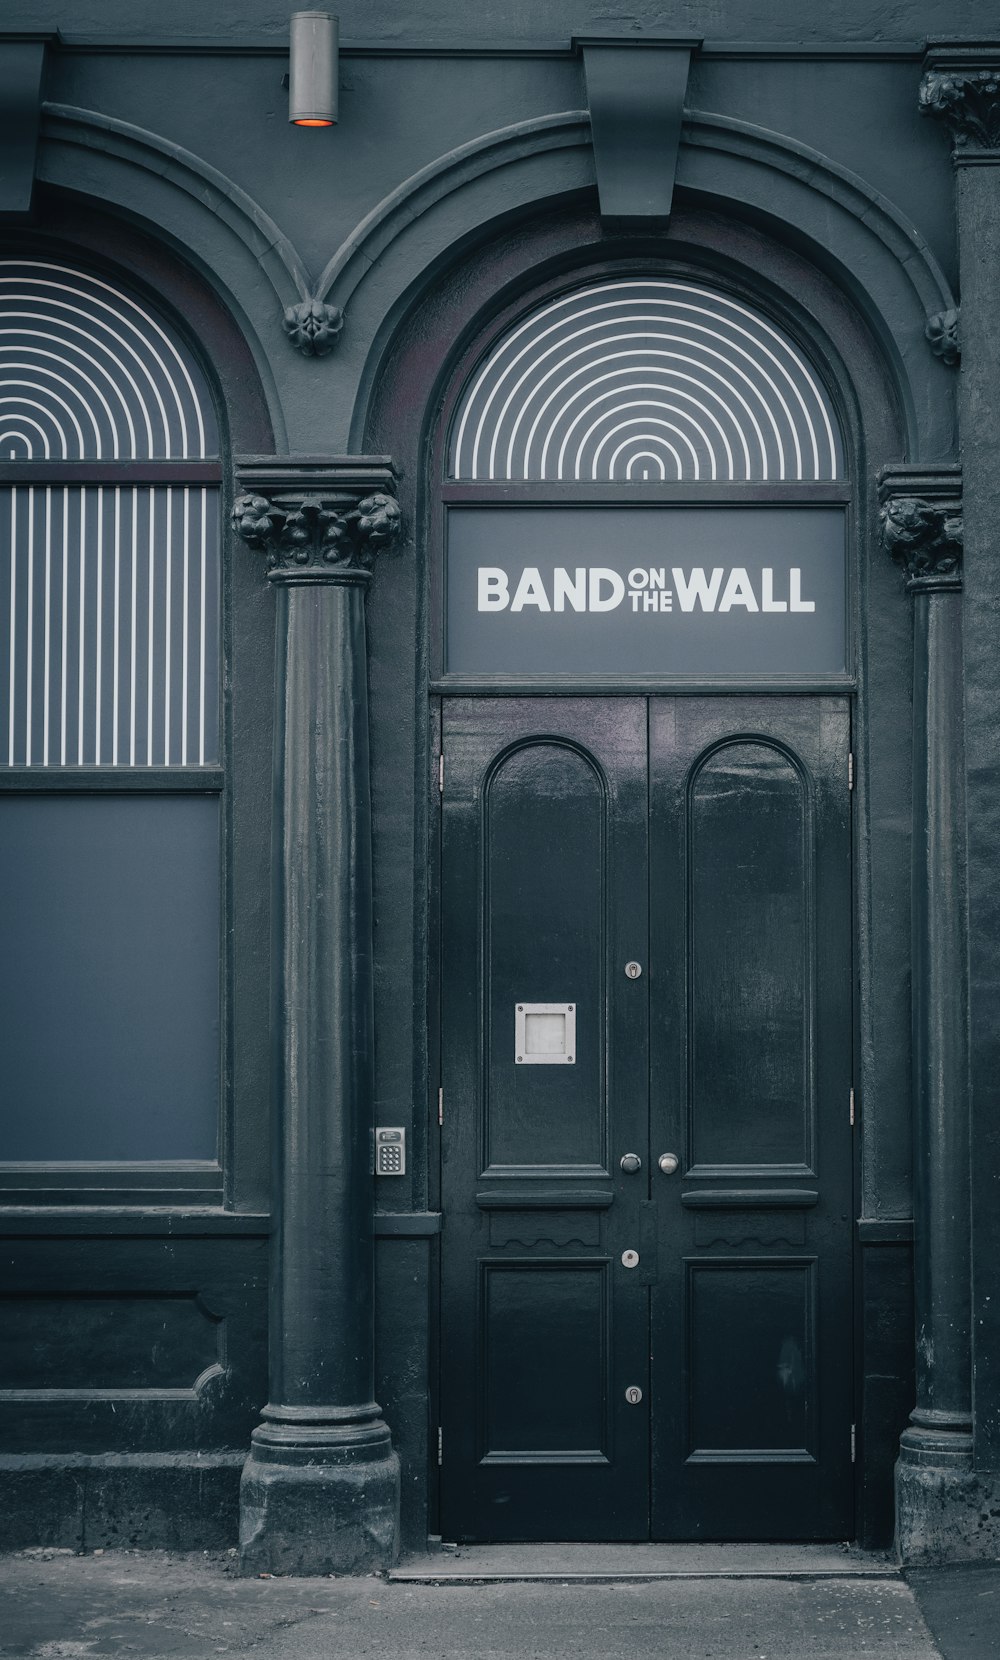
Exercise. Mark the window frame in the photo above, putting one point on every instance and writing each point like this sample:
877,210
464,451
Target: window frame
237,1177
444,490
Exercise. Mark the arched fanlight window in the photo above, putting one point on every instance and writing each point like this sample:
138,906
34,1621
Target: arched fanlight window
645,379
109,532
644,478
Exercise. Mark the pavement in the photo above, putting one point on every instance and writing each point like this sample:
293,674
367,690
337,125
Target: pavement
696,1603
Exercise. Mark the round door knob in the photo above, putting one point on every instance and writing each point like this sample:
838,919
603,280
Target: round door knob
630,1163
669,1163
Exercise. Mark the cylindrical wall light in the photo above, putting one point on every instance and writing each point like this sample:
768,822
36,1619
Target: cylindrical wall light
312,70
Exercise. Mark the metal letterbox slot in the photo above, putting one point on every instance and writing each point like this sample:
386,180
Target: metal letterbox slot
545,1034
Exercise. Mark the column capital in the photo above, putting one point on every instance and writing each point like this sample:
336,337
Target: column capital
318,519
920,524
961,85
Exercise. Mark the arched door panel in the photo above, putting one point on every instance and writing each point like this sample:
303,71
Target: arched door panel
751,1066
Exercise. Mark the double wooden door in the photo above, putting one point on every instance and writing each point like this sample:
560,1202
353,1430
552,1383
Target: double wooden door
646,1146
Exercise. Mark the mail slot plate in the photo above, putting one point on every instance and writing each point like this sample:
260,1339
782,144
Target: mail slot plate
545,1034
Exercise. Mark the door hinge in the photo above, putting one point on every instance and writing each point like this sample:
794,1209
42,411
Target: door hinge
441,773
440,1446
440,1107
854,1444
850,770
852,1104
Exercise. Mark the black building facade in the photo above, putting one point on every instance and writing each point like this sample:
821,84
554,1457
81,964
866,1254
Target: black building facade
498,798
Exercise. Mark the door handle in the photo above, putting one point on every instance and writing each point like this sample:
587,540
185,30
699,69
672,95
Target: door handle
630,1163
669,1163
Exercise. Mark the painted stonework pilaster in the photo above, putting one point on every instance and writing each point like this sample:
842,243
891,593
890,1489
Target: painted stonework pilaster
921,528
320,1490
961,89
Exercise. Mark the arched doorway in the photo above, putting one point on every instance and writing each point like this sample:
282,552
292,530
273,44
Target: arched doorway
646,1018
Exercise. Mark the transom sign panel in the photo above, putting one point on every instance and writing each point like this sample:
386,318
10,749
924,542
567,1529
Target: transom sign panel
646,380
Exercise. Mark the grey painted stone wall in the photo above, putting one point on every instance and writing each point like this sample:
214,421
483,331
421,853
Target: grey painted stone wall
461,173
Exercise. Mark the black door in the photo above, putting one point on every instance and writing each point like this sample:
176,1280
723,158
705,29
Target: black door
646,958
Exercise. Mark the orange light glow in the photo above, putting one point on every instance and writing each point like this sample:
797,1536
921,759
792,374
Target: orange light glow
310,123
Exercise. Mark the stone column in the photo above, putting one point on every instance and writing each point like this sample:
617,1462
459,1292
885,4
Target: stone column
921,522
320,1490
961,89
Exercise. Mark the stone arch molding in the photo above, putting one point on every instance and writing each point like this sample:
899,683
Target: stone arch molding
184,197
850,229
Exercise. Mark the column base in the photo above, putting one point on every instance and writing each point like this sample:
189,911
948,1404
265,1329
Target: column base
320,1493
945,1510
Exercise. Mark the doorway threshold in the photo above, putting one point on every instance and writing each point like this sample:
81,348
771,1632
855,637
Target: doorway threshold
595,1564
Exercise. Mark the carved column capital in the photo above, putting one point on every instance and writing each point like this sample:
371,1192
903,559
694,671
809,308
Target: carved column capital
920,523
317,520
961,85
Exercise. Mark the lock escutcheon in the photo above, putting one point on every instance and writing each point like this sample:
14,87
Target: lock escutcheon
630,1259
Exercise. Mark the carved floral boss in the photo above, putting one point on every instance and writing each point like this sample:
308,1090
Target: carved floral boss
313,326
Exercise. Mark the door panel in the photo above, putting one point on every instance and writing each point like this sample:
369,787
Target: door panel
751,1028
750,902
544,900
739,1400
708,840
545,1361
544,819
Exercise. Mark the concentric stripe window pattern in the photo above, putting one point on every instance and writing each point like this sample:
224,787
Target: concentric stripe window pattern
109,591
646,380
88,372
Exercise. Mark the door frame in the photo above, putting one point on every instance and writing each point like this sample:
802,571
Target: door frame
408,388
435,1009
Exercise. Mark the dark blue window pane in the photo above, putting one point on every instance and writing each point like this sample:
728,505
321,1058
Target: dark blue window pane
109,977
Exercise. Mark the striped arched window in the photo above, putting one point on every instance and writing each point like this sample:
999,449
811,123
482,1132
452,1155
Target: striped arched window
109,608
645,380
110,740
